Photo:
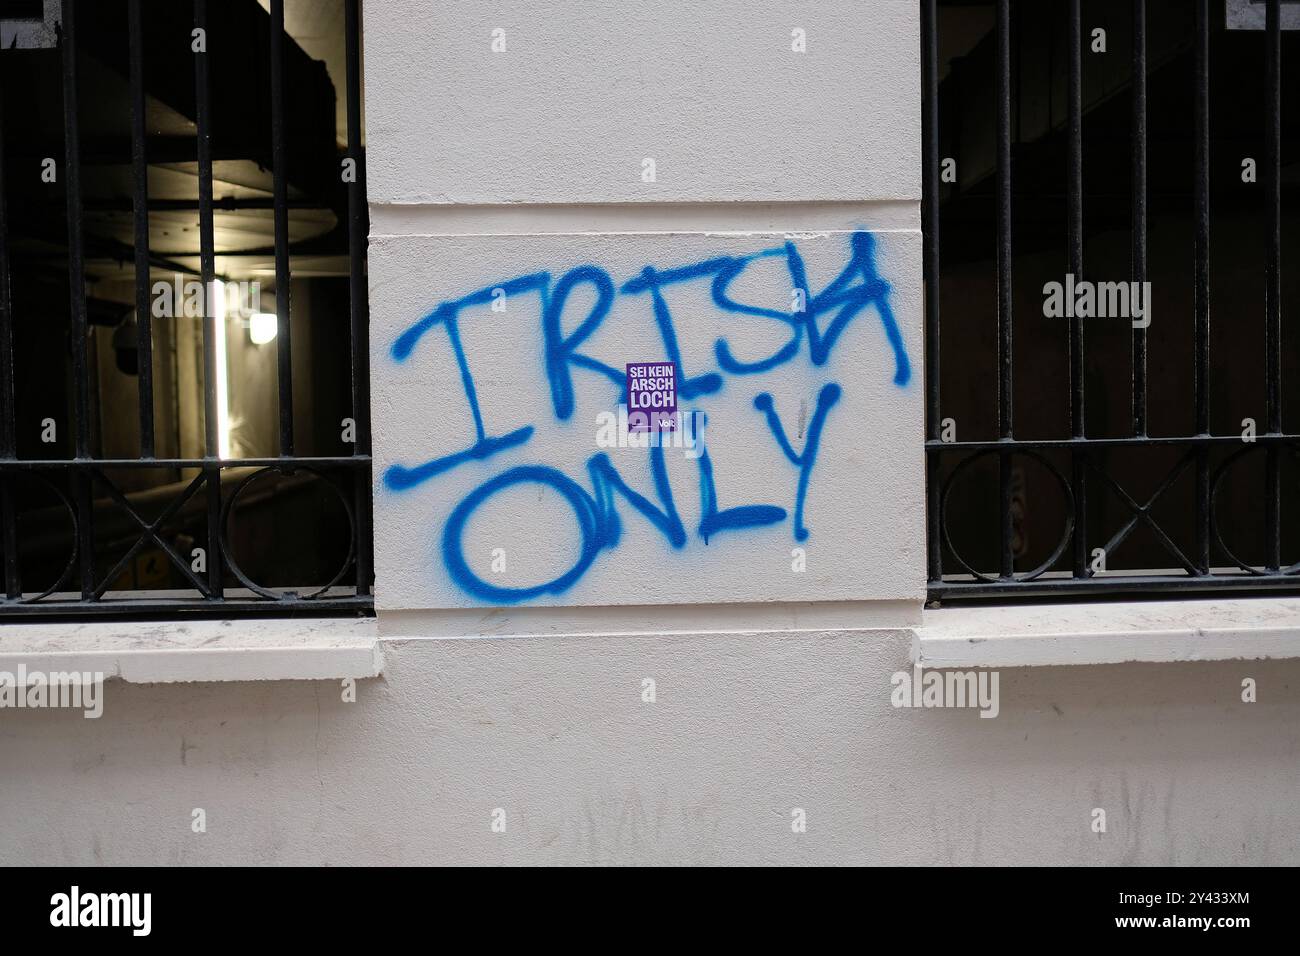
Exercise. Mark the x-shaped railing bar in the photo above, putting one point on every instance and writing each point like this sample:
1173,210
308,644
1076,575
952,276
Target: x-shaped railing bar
151,532
1142,513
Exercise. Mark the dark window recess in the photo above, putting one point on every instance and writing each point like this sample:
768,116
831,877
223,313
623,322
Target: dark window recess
22,9
1112,141
184,420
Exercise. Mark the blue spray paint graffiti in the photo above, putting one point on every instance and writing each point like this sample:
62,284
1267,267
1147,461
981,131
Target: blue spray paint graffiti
819,318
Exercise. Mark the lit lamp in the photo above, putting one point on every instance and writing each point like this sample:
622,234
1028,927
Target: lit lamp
218,306
262,327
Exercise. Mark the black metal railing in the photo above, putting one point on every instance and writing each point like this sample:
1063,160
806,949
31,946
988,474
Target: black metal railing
83,486
1077,462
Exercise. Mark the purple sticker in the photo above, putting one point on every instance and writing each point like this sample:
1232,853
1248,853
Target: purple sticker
651,396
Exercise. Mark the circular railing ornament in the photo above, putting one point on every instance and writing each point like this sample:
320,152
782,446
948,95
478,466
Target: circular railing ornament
229,509
1069,514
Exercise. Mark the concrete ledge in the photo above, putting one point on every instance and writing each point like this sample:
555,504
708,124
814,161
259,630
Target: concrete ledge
159,652
1108,633
699,619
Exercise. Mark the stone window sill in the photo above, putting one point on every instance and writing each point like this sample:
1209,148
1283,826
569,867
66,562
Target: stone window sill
1108,633
154,652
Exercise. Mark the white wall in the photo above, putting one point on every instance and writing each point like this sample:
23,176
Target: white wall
841,532
585,91
745,728
564,113
487,166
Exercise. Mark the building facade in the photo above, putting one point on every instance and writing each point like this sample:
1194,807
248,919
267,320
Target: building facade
704,645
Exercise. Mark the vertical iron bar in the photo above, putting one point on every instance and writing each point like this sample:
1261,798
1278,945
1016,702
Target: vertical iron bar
1139,211
8,444
140,175
7,431
1004,276
930,252
280,187
1074,106
207,250
358,227
207,266
1201,282
1074,229
77,298
1273,271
